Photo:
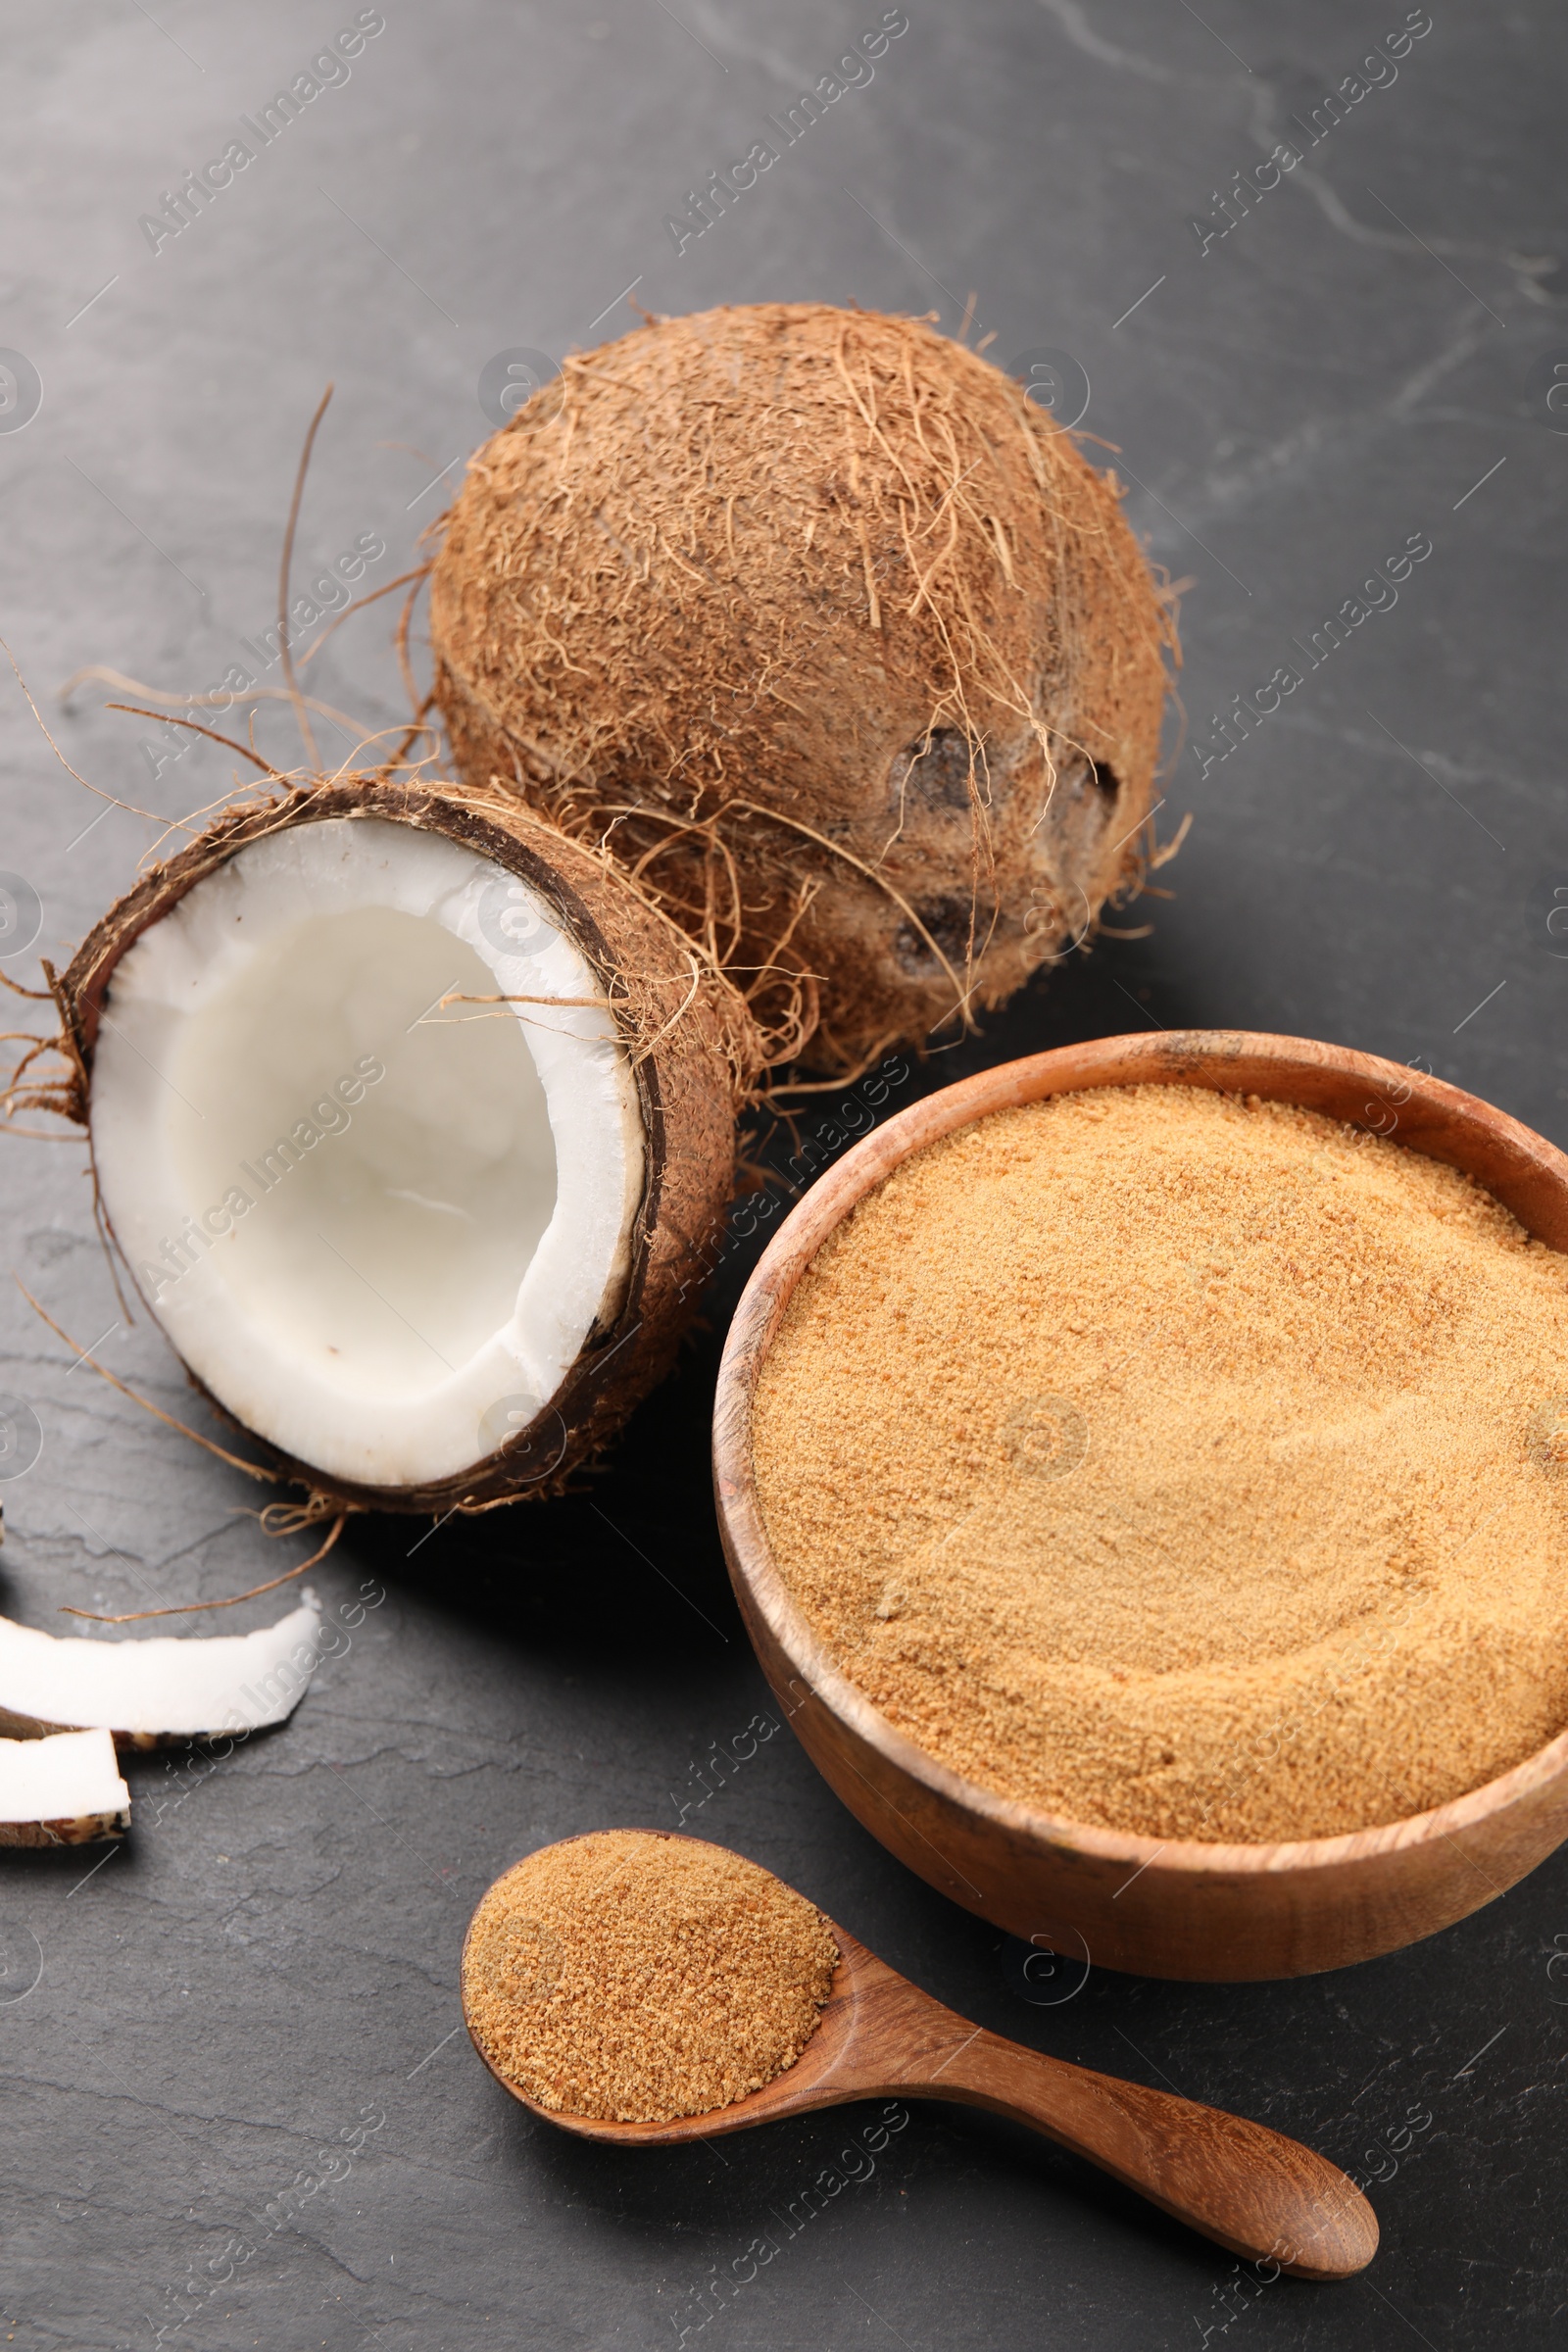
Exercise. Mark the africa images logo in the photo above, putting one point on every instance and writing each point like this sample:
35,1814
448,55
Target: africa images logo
329,70
721,190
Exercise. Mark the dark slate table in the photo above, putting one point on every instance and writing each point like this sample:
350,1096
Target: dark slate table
239,2108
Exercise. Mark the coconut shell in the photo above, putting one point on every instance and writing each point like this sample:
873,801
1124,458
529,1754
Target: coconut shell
693,1048
812,615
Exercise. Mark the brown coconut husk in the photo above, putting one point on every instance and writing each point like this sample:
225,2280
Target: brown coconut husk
692,1042
827,632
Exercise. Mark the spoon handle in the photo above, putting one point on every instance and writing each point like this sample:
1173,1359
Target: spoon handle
1261,2196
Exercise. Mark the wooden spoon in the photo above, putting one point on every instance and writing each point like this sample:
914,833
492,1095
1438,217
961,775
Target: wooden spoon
1261,2196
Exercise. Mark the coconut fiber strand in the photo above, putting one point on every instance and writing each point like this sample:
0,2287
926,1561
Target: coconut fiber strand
813,612
633,1978
1184,1465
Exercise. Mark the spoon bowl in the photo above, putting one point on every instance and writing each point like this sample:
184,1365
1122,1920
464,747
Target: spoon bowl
1260,2195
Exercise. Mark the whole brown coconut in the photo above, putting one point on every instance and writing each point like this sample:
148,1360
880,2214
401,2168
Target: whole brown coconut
675,1040
822,627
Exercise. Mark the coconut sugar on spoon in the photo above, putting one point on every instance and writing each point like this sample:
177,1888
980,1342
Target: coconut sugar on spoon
634,1977
1184,1465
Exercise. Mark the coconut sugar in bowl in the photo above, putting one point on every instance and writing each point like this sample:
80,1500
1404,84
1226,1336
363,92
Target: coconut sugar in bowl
1216,1632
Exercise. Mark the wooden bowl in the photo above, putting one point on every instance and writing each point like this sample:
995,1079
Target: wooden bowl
1180,1909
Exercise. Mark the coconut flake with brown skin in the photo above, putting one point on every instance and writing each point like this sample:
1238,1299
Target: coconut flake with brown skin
65,1791
409,1117
813,612
159,1690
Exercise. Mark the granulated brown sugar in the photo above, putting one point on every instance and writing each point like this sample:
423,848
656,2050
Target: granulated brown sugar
633,1977
1184,1465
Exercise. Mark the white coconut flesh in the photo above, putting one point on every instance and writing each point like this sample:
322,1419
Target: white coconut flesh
67,1786
377,1227
162,1687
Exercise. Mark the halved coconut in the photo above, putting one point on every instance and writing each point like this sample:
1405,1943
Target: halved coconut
65,1791
409,1117
162,1690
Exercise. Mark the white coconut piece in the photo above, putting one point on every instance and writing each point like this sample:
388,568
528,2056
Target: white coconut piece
63,1790
379,1230
162,1689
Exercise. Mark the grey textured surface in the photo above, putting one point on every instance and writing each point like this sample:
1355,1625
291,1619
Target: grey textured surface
238,2108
